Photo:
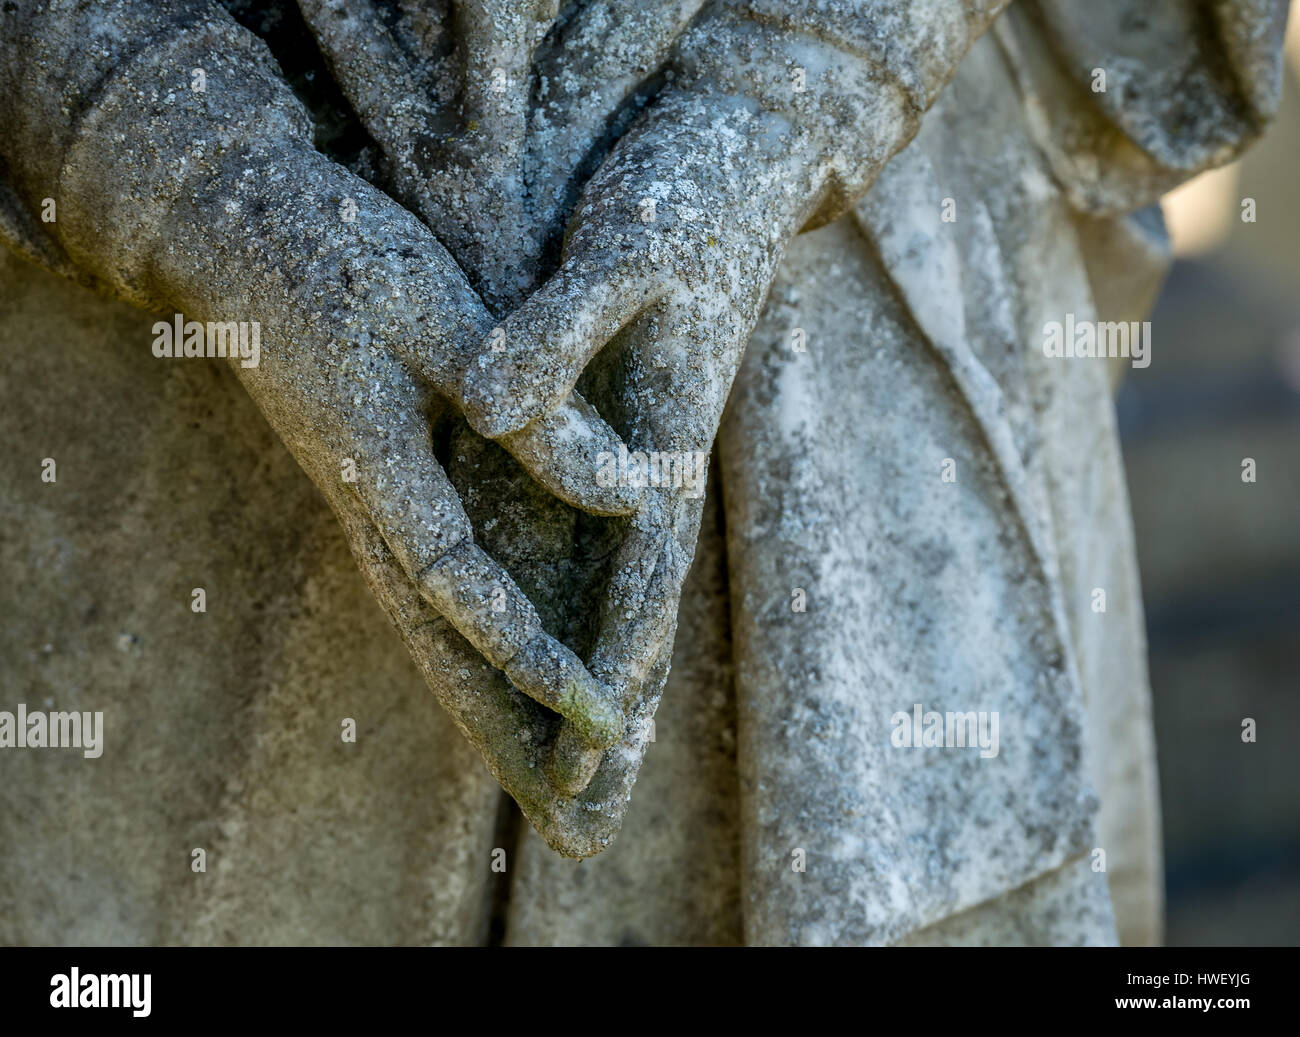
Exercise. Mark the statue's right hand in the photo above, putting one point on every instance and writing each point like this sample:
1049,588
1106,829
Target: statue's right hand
365,322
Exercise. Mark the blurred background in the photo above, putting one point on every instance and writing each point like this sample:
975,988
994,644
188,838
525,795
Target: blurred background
1220,558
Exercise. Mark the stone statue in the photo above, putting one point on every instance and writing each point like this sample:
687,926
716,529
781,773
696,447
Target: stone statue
517,270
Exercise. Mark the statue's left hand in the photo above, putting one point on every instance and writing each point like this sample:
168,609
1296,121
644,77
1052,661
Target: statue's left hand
670,253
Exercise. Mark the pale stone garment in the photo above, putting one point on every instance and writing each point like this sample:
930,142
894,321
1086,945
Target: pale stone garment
773,734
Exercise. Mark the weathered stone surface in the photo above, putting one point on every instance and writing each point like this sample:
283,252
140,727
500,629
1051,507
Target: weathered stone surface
221,729
539,181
